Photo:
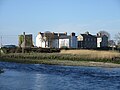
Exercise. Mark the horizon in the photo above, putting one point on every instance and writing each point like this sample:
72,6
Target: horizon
68,16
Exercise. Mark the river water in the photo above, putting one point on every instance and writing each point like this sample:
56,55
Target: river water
54,77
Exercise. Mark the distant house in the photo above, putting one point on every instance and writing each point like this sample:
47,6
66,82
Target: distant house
102,40
39,40
87,41
25,40
47,40
56,40
69,41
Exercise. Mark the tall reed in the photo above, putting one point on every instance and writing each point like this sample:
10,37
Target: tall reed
93,54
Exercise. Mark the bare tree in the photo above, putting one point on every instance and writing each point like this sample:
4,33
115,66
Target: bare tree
111,43
49,37
117,37
105,33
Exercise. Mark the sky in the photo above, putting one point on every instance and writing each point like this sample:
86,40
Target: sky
79,16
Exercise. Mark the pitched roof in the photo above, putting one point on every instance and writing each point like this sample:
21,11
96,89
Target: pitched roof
88,35
65,37
56,35
102,36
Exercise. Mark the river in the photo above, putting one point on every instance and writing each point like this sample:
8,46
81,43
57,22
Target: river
18,76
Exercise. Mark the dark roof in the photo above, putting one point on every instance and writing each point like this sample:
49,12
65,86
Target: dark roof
56,35
65,37
88,35
102,36
42,34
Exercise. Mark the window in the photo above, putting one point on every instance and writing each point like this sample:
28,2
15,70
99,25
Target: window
88,39
95,39
91,39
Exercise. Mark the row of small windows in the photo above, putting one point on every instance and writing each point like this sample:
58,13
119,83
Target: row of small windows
90,39
87,45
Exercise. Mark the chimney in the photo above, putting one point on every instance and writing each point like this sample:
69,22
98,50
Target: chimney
58,34
72,34
99,34
39,32
52,34
65,33
87,32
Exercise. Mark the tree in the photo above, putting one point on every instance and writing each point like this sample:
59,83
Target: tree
105,33
111,43
117,37
49,37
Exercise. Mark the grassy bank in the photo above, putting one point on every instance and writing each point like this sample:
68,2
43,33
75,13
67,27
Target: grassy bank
65,57
63,62
92,54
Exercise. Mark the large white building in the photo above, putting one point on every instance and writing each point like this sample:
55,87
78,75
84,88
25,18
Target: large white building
56,40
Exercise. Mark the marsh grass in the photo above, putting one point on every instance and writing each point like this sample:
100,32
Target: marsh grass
64,55
92,54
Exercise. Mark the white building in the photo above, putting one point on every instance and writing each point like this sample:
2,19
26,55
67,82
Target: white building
56,40
69,41
41,40
102,40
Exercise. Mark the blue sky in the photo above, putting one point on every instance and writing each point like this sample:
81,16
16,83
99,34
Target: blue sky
79,16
